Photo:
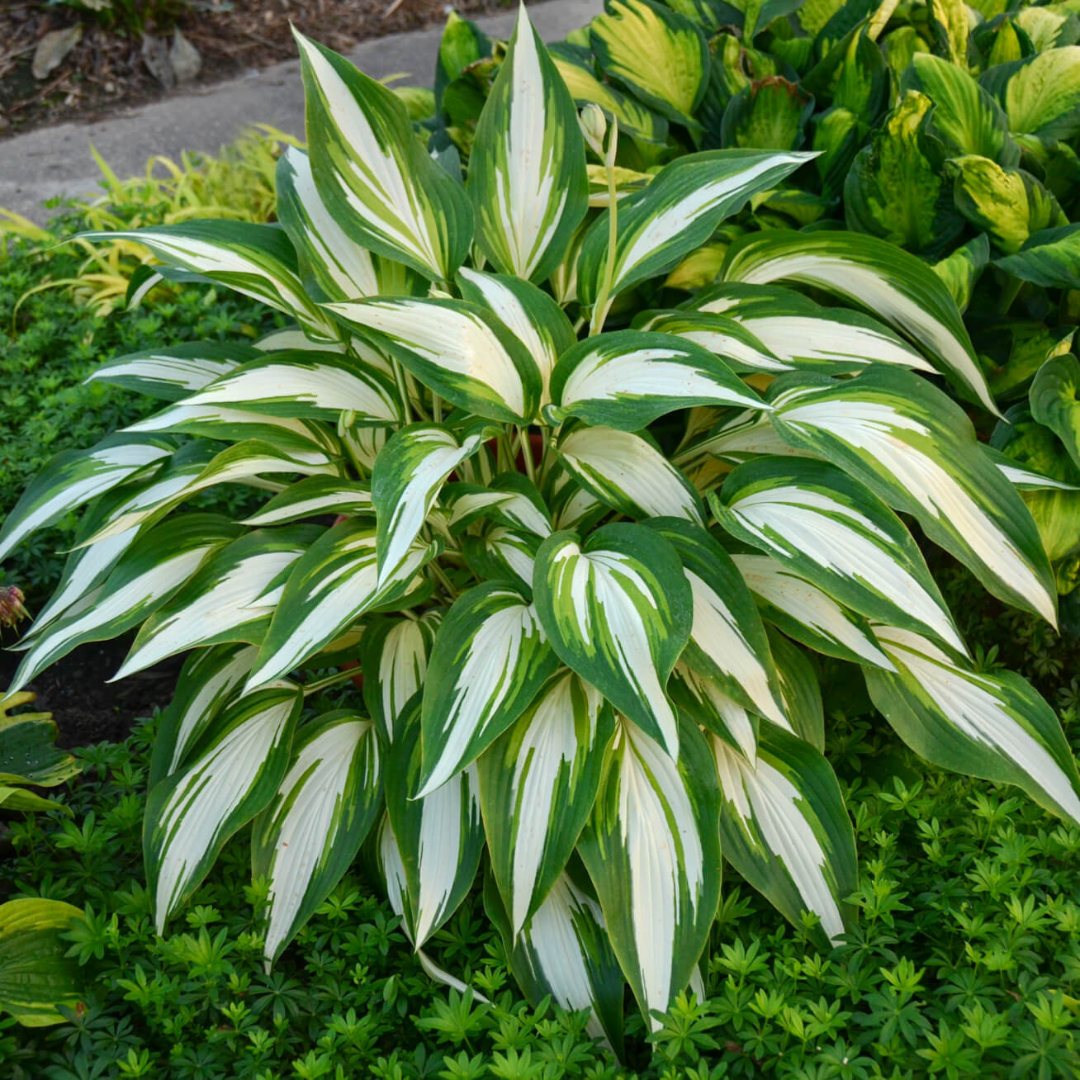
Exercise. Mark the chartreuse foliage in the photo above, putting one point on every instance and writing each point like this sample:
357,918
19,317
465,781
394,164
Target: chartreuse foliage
572,565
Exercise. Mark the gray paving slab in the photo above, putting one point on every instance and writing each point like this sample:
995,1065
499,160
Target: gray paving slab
57,161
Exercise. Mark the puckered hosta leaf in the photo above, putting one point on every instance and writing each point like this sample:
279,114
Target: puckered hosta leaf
307,385
329,588
806,613
627,379
527,167
394,659
821,524
659,55
628,473
994,726
459,350
527,312
868,271
510,499
148,573
916,449
233,773
373,177
440,836
174,371
1053,398
727,639
489,659
313,496
724,337
231,598
1042,95
701,698
502,553
208,681
652,849
253,259
1050,258
800,689
538,782
676,213
564,952
785,828
406,479
618,611
309,834
75,477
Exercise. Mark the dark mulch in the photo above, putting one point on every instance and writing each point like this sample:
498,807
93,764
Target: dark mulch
106,69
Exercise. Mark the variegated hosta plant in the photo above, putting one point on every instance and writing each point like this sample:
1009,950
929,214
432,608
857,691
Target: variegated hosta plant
580,544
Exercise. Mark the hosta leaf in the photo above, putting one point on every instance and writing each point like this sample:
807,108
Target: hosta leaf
960,270
232,775
406,479
727,639
231,598
740,349
151,570
538,782
511,499
627,379
804,709
1050,258
994,726
459,350
652,849
307,385
527,167
676,213
312,497
785,828
1042,95
309,834
820,524
915,449
75,477
394,658
769,114
564,953
628,473
871,273
28,750
373,177
329,588
659,55
618,611
175,371
806,613
1054,401
502,553
489,659
208,681
440,836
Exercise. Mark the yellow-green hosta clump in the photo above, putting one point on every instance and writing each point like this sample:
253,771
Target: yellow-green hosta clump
580,550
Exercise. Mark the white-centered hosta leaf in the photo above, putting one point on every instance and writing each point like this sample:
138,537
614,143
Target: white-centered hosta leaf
232,774
231,599
703,700
75,477
538,782
618,611
527,165
652,849
155,566
785,828
309,834
510,499
916,449
676,213
803,611
830,529
875,274
372,175
312,497
503,553
394,656
440,836
307,385
994,726
455,348
528,312
800,689
174,371
489,659
405,482
727,638
628,473
628,378
719,335
328,589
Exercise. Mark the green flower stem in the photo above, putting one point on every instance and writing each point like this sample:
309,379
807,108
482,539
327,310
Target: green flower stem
329,680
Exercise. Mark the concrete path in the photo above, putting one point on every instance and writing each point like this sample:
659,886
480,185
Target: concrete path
56,160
